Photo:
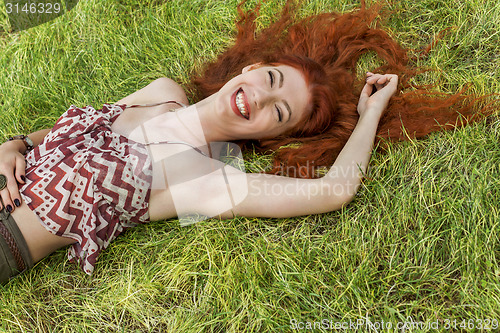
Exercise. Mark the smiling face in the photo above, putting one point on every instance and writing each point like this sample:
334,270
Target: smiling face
263,102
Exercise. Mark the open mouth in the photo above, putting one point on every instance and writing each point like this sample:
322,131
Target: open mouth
240,106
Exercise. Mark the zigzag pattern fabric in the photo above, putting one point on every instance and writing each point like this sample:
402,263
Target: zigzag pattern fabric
88,183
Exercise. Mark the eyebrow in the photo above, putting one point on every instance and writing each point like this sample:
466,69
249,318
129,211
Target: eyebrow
281,77
284,102
288,108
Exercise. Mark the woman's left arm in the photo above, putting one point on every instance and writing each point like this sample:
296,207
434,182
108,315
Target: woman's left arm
275,196
224,191
353,160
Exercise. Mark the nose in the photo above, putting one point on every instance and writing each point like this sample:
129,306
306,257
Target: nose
262,97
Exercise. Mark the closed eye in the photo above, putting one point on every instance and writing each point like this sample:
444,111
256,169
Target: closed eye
280,116
271,77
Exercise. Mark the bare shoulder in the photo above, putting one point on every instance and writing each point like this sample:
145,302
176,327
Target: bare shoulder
168,87
160,90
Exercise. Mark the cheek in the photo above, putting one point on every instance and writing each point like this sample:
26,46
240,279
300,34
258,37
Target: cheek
268,132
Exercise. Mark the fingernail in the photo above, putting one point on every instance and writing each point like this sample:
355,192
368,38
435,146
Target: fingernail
17,202
23,178
9,208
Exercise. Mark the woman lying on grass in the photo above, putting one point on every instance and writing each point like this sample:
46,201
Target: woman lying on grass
293,84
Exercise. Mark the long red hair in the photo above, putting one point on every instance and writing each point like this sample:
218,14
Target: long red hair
326,48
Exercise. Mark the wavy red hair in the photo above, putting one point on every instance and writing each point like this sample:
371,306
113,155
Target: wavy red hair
326,48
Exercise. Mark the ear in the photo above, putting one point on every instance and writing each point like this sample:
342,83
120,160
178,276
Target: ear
251,67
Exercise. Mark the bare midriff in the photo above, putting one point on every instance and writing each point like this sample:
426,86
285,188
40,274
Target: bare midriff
41,242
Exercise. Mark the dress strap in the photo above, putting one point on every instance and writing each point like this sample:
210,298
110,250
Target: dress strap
169,142
155,104
166,141
177,143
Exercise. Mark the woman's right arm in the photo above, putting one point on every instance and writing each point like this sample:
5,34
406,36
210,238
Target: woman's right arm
160,90
13,167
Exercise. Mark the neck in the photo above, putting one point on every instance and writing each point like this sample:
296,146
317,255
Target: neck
195,124
213,129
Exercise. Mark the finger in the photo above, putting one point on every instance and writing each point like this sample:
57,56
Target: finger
365,93
367,90
393,80
21,170
382,80
373,79
390,86
385,80
3,192
7,202
14,195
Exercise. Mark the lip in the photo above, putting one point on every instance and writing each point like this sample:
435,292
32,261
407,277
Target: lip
235,108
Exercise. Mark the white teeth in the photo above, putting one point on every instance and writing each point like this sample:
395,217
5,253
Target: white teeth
240,103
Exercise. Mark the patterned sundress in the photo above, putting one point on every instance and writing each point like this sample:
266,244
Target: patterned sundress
88,183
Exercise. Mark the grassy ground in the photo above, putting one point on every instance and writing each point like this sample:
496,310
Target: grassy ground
420,242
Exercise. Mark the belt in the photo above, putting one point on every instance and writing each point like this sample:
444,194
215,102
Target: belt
11,243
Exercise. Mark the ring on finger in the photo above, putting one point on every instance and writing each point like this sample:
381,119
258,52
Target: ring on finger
3,182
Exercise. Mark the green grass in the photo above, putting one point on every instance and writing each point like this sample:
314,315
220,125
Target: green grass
421,239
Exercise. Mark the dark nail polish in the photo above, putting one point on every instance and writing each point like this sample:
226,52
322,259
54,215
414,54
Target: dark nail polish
9,208
17,202
23,178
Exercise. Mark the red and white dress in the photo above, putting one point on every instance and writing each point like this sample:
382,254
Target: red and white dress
88,183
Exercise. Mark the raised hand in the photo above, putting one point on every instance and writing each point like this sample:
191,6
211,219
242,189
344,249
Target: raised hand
376,93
